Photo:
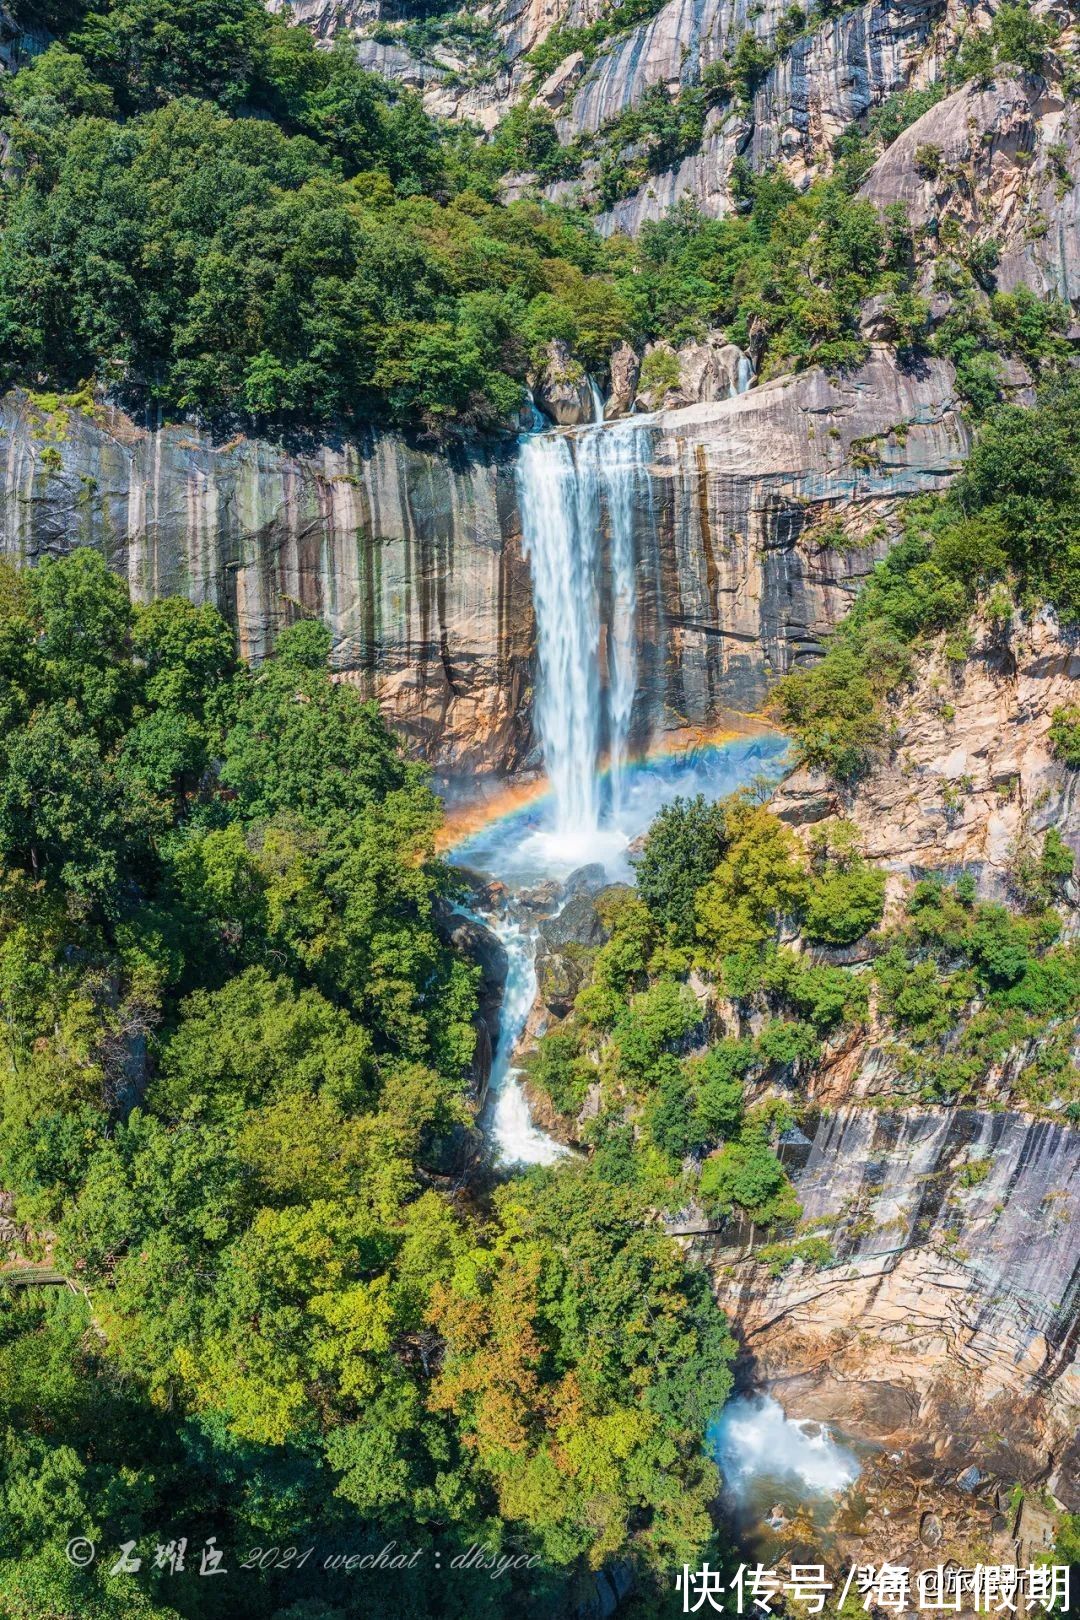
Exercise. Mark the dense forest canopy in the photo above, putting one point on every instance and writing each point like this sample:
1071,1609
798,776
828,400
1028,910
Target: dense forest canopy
204,212
236,1108
235,1060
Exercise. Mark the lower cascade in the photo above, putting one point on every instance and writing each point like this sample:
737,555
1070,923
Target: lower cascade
760,1450
579,493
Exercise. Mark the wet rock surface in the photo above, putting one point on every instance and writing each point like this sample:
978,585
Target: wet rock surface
945,1328
479,946
568,941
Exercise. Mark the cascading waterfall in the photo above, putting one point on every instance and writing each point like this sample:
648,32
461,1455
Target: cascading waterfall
561,545
566,485
617,451
581,495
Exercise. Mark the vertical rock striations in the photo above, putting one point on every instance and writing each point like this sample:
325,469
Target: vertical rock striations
410,556
826,79
414,558
950,1311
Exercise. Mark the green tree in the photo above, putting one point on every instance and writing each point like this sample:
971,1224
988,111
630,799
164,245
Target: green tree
681,852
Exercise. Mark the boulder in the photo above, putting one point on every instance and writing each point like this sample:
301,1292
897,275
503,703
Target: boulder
625,371
559,977
540,899
578,923
876,319
568,941
695,374
561,389
586,879
557,86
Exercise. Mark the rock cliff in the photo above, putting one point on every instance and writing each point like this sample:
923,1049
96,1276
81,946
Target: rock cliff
828,78
1006,172
414,557
946,1327
970,776
409,555
947,1324
1009,141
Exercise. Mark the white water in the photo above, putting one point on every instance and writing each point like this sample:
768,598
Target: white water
521,850
560,538
517,1140
572,488
762,1452
567,486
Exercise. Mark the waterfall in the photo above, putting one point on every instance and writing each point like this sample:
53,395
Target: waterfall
567,483
765,1455
560,544
617,451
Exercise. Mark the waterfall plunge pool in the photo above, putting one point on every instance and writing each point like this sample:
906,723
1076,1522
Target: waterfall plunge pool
771,1462
528,846
581,494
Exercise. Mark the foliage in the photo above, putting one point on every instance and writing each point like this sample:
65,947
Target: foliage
586,1358
233,1071
965,983
1012,513
559,1072
811,1251
1065,735
681,852
846,900
660,371
251,227
749,1177
760,880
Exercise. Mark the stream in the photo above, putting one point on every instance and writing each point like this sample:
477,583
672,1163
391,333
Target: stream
578,489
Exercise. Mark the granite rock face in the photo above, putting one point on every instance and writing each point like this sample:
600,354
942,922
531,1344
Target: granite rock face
829,77
948,1319
562,389
410,556
702,372
1008,173
947,1324
970,776
733,587
414,557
